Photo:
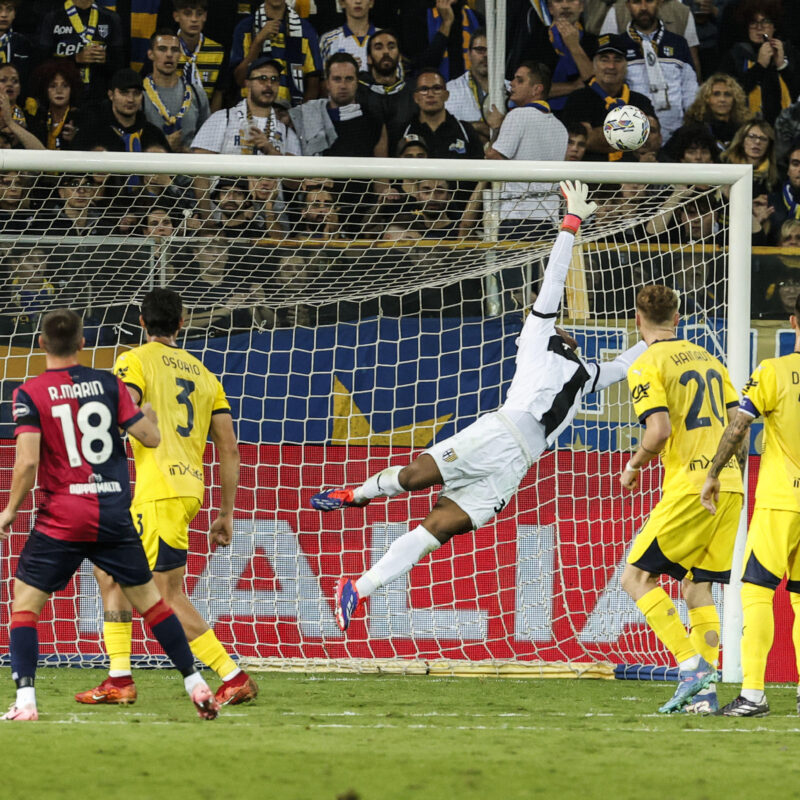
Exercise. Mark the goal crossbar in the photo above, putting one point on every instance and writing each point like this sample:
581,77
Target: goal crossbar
372,168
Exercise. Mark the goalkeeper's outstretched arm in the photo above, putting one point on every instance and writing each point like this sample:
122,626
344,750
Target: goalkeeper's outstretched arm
617,370
579,207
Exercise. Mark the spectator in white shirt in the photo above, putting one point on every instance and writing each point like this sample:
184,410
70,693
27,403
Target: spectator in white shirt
469,91
351,37
251,127
529,132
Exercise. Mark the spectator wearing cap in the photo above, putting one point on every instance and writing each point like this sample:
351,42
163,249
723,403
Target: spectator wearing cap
251,127
412,146
608,89
529,132
15,48
339,125
120,125
171,102
89,36
446,136
277,32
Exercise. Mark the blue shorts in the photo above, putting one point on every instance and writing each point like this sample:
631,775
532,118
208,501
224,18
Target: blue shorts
48,564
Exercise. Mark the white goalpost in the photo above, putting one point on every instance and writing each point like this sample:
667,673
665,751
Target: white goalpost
345,309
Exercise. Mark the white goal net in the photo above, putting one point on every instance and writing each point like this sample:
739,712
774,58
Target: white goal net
355,315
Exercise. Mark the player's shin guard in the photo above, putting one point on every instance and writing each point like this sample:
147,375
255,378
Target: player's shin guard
757,634
24,647
663,619
208,649
117,638
384,484
704,634
161,619
397,560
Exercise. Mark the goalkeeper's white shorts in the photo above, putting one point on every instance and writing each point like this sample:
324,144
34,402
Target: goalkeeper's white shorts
482,466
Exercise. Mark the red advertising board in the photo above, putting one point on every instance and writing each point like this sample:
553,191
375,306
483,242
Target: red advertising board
541,582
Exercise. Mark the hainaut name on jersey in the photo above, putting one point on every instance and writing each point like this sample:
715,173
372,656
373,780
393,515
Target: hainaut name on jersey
68,391
686,356
177,363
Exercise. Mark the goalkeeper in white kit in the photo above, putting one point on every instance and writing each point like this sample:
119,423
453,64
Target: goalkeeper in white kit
482,466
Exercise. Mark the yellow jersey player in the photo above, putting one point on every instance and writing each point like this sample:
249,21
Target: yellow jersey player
681,394
191,404
773,541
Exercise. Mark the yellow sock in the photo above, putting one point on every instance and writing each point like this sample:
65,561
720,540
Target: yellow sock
117,636
757,635
795,601
662,617
704,633
208,649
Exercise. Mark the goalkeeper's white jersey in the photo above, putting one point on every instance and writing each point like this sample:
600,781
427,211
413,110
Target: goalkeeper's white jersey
550,378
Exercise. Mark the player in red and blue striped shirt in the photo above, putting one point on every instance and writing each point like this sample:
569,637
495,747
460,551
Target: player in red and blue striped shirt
67,429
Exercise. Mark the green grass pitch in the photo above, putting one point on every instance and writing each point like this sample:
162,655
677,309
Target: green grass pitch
380,737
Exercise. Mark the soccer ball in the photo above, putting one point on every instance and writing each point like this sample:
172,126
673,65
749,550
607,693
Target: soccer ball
626,128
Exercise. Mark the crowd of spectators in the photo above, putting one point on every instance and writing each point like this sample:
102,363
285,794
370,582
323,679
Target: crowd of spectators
719,80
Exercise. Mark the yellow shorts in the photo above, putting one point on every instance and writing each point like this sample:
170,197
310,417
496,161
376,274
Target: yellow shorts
773,549
164,528
682,539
